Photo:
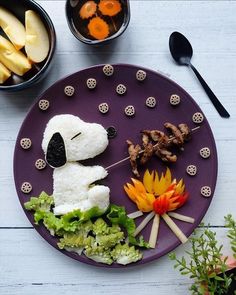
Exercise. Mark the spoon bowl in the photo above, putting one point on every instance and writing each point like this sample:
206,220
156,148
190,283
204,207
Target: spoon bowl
180,48
182,52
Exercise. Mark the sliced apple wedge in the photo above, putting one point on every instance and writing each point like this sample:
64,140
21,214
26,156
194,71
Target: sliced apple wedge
4,73
13,59
13,28
37,40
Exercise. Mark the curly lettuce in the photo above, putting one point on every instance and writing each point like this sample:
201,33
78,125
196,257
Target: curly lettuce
110,240
124,254
99,254
100,227
43,203
117,216
62,224
97,234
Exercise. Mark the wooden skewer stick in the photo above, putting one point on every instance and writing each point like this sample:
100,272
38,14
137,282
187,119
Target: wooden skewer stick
127,158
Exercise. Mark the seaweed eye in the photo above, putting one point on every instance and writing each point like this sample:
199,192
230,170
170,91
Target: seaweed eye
76,136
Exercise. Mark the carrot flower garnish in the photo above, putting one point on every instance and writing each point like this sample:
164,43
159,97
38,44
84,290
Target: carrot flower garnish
109,7
98,28
88,9
169,201
158,195
138,194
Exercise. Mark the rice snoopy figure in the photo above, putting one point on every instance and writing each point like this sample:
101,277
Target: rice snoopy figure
67,140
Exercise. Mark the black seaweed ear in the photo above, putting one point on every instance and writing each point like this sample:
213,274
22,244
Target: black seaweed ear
56,152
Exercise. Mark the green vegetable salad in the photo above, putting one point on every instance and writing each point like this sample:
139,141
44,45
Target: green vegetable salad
103,237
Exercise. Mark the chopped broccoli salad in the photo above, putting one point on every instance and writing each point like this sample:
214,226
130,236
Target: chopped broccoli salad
103,237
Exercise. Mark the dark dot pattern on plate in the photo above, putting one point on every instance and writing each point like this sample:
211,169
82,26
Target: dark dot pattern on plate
191,170
111,132
40,164
121,89
25,143
26,187
91,83
151,102
130,111
198,118
44,104
206,191
103,108
108,70
174,99
69,90
141,75
205,152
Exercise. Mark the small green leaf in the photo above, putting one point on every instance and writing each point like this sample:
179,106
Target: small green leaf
176,265
228,282
212,275
183,261
218,278
184,273
172,256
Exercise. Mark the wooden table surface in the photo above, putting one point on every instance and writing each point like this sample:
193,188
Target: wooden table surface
28,264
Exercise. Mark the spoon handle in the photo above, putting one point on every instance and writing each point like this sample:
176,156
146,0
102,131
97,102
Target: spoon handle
219,107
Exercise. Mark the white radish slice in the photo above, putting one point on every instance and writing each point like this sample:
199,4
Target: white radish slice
154,231
144,223
176,230
181,217
135,214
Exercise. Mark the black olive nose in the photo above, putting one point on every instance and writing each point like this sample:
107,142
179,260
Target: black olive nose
56,152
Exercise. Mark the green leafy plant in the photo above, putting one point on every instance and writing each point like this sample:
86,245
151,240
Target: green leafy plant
205,264
230,223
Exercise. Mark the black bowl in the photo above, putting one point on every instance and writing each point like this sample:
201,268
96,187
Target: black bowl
71,16
39,70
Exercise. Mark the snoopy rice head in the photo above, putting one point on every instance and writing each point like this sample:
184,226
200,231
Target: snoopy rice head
82,147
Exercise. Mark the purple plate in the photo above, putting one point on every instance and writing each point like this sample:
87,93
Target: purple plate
84,104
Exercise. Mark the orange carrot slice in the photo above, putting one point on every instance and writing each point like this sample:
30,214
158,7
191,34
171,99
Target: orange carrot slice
109,7
98,28
88,9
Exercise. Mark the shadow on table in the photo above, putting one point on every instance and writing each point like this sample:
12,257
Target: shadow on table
103,54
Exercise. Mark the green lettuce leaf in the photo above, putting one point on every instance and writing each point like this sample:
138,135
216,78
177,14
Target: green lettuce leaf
79,239
100,227
99,254
73,219
69,222
124,254
99,240
110,240
117,215
43,202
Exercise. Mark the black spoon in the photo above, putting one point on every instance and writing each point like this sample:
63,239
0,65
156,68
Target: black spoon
182,51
